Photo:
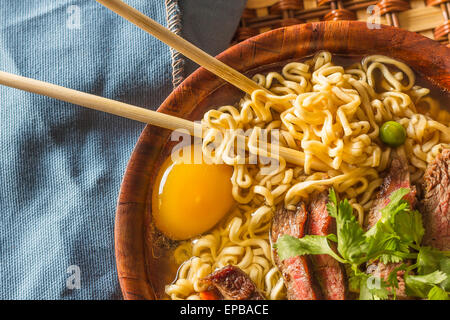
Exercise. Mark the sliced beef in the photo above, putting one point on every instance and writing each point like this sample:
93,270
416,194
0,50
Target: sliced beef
234,284
397,177
296,271
435,206
327,270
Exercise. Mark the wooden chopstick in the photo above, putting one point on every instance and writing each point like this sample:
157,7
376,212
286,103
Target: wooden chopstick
98,103
141,114
129,111
183,46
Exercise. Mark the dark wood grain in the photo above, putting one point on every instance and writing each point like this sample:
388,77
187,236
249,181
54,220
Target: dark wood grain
202,90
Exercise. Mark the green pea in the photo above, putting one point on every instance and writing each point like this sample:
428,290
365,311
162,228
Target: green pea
392,133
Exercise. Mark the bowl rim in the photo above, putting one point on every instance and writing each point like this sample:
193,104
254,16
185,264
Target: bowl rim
293,42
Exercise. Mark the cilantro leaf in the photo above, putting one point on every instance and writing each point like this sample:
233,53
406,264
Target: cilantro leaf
408,225
332,203
398,218
354,283
428,260
444,266
352,241
385,245
420,285
392,278
396,204
288,246
437,293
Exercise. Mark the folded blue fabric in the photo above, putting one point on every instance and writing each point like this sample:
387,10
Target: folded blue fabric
61,165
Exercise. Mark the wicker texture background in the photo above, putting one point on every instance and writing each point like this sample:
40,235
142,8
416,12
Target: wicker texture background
427,17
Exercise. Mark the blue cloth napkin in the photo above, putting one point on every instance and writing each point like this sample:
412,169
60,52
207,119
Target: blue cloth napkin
60,164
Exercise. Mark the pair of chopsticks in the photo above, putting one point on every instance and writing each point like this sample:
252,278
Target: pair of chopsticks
141,114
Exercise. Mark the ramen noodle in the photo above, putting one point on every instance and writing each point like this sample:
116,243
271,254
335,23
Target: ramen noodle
333,115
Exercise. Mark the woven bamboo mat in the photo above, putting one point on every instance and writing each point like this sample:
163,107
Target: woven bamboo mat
427,17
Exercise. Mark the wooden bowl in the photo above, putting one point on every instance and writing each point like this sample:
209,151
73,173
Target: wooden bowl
202,91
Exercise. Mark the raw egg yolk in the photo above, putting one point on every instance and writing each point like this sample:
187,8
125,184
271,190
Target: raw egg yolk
189,199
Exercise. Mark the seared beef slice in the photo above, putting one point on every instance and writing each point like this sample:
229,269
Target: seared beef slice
435,206
296,270
398,177
327,270
234,284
